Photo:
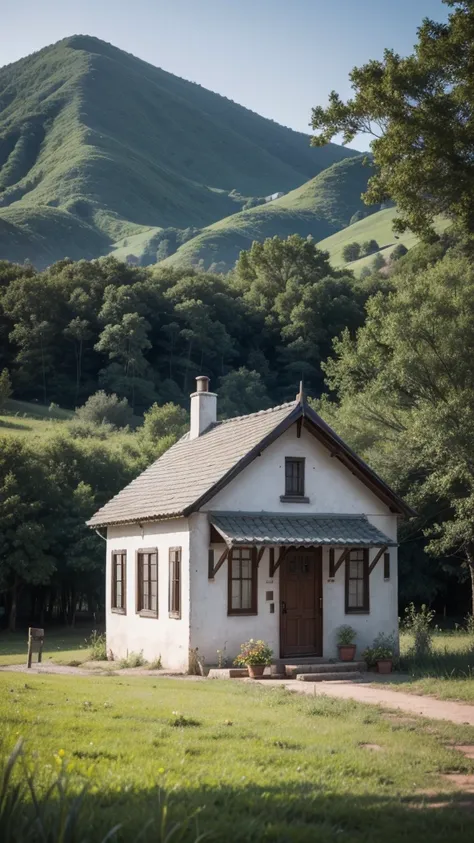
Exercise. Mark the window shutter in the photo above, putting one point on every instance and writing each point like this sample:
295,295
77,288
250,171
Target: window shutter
386,566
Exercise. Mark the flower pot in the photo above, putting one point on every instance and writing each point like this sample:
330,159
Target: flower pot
384,665
256,670
347,652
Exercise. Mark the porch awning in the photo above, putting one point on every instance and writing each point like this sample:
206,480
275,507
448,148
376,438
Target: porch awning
272,528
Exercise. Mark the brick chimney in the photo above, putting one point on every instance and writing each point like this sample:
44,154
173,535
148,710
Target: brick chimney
203,407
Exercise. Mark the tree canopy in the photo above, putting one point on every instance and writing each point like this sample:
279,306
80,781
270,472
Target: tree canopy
405,390
419,110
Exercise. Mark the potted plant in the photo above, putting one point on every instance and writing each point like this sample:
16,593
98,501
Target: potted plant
255,655
382,653
345,643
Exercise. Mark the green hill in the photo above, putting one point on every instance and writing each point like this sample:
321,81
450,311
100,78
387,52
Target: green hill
318,208
97,145
377,227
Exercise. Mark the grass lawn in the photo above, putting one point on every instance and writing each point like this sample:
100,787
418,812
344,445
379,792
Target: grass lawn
448,673
61,646
233,761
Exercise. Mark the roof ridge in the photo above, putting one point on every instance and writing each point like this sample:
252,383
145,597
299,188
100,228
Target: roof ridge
259,412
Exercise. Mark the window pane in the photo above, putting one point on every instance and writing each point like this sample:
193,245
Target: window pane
246,569
235,594
246,594
235,567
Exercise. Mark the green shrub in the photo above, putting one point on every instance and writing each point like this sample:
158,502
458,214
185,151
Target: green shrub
133,660
351,252
384,647
345,635
102,407
419,624
254,653
98,646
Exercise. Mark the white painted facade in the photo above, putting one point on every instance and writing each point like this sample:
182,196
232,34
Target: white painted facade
204,623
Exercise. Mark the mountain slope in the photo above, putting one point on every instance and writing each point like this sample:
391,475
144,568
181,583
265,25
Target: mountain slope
377,227
116,144
320,207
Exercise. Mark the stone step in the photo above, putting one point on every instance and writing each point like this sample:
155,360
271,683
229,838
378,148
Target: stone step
292,670
352,675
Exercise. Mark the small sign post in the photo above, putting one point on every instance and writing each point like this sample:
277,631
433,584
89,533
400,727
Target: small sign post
35,644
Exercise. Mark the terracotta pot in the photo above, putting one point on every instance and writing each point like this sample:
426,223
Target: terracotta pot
256,670
347,652
384,665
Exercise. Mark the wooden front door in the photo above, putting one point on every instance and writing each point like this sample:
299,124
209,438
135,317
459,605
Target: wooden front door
301,603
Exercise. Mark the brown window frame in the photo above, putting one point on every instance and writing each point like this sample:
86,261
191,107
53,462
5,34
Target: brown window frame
253,609
174,582
119,610
365,608
146,612
295,493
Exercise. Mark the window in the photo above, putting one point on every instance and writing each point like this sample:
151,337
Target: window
147,582
119,591
174,601
242,596
357,582
294,479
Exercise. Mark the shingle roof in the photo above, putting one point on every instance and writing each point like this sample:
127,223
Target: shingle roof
189,469
192,471
273,528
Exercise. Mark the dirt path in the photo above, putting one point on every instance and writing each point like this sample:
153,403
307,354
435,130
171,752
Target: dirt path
412,703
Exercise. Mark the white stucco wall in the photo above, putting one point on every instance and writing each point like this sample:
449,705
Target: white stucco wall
211,628
331,488
163,636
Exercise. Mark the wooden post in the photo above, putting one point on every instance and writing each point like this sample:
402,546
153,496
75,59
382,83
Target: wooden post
35,644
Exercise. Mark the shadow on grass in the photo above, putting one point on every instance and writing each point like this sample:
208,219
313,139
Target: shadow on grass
62,639
13,425
447,664
303,813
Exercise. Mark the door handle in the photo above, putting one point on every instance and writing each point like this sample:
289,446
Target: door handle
283,607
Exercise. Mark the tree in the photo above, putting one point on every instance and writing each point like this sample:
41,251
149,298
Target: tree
369,247
78,332
398,252
24,540
5,387
101,408
419,110
405,390
242,392
378,262
351,252
125,343
167,420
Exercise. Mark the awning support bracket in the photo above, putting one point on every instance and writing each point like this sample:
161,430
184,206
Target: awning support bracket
213,569
342,558
283,552
374,561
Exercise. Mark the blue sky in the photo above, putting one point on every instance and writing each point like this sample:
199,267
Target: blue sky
277,57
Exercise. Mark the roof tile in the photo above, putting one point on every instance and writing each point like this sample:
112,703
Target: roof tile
189,469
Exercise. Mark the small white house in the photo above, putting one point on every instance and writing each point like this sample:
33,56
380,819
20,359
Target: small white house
262,526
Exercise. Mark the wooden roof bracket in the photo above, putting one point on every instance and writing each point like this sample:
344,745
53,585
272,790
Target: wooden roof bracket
213,569
342,558
275,565
379,554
